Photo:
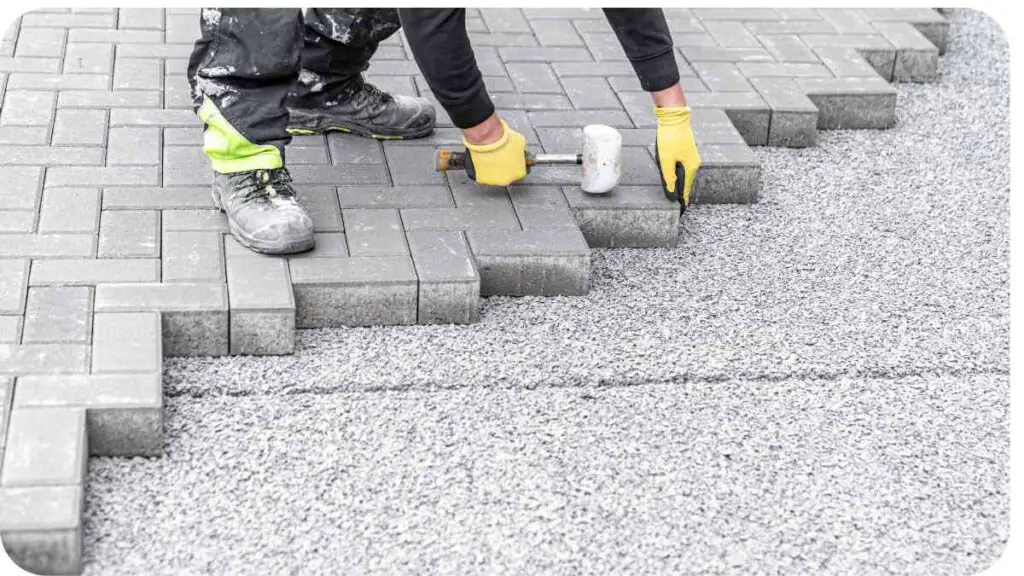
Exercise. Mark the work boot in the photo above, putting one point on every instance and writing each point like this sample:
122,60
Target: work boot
263,214
367,112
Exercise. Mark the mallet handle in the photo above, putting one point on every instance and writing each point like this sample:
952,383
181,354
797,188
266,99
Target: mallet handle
453,160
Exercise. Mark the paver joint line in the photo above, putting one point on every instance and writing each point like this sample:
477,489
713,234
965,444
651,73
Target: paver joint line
112,255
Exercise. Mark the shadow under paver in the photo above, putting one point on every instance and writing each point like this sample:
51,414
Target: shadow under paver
112,254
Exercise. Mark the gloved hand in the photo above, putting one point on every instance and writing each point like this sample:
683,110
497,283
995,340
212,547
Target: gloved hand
676,152
500,163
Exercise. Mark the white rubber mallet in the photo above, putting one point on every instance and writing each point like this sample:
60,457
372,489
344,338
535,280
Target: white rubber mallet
601,159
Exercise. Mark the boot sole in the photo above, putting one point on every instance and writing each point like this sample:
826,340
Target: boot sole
357,130
275,249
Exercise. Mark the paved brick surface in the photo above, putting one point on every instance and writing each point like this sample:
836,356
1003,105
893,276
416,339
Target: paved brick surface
112,254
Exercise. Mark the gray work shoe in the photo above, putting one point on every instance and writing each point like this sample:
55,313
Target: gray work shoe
367,112
263,214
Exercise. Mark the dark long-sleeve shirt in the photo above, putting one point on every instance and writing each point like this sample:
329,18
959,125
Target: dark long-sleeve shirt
440,45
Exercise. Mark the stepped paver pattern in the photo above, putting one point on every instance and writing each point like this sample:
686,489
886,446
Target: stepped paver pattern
112,254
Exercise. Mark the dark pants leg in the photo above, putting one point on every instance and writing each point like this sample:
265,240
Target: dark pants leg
338,44
245,64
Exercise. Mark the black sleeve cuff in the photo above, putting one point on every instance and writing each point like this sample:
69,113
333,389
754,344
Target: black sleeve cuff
657,72
473,111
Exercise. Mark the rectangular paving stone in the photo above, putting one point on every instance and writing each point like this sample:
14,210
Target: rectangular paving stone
150,117
17,221
68,20
25,135
41,527
10,329
20,187
917,59
140,18
531,102
613,118
339,175
39,246
41,42
8,64
156,198
156,51
731,34
590,93
539,216
27,108
722,77
194,316
783,70
102,176
467,192
6,394
470,217
129,234
133,146
794,120
852,103
322,205
878,52
604,46
328,245
449,285
730,175
374,232
628,216
412,165
45,447
124,412
195,220
108,99
556,33
127,342
44,359
58,314
747,111
116,36
89,272
348,149
71,210
355,291
789,27
13,286
192,257
262,306
505,20
531,262
544,54
52,155
845,62
606,68
489,39
846,21
31,81
88,127
395,197
694,54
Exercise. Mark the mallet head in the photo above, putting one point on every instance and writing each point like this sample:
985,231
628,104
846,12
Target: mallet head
602,158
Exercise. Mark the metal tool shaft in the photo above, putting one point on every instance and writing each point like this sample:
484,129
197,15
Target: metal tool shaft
453,160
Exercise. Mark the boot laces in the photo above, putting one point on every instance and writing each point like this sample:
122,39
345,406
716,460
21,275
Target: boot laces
266,185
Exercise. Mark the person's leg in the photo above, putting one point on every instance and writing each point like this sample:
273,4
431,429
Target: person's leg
331,93
241,71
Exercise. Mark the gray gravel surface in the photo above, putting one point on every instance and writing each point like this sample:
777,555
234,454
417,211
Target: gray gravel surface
816,383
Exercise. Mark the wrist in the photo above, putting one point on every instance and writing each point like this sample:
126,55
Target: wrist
487,132
671,97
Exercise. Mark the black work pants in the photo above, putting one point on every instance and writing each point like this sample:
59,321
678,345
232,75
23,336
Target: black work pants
248,61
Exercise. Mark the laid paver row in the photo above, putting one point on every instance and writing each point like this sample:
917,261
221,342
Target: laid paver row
112,256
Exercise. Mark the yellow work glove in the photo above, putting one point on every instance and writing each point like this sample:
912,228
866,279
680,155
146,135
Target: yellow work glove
500,163
676,152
